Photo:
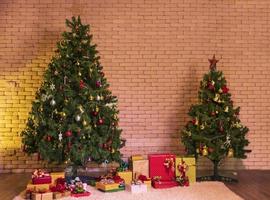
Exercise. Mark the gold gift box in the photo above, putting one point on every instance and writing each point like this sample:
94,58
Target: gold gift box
106,187
191,172
148,183
56,175
42,196
136,157
126,175
33,187
140,167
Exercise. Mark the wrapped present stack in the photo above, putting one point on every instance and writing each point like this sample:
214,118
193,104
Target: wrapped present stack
162,170
45,186
124,172
111,184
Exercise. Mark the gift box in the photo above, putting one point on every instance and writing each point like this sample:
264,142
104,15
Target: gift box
126,175
42,196
191,170
42,180
136,157
56,175
109,187
162,166
140,167
59,195
140,188
164,184
33,187
84,194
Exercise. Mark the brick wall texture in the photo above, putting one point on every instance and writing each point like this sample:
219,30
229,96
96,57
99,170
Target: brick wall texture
154,54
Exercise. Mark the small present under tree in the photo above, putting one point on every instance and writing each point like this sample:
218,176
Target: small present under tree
215,130
74,114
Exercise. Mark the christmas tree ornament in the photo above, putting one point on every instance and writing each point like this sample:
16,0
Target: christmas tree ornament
225,90
226,109
84,41
211,86
80,107
198,151
195,121
100,121
60,136
98,98
79,74
52,86
101,98
202,127
91,98
220,90
43,97
205,151
78,63
213,62
216,98
204,84
84,123
97,109
49,138
210,150
78,118
74,35
52,103
95,113
82,85
55,72
213,113
102,74
213,82
68,133
230,153
98,84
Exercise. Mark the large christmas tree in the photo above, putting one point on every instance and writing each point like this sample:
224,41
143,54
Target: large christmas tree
74,115
215,130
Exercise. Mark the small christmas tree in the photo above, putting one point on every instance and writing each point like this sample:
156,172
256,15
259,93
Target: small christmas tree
215,130
74,115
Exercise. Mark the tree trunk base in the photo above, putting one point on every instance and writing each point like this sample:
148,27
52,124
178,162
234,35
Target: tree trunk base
217,178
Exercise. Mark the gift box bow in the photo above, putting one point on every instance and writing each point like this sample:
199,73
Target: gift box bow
38,173
60,186
143,178
169,163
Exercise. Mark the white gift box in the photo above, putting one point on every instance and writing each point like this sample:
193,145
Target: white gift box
137,188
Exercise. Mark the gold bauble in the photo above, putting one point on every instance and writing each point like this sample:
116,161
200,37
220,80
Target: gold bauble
101,98
213,82
198,150
230,153
113,150
216,98
97,109
91,98
205,151
202,127
226,109
84,123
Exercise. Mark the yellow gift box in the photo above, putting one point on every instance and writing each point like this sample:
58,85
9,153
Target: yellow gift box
33,187
191,172
148,183
106,187
126,175
136,157
140,167
56,175
42,196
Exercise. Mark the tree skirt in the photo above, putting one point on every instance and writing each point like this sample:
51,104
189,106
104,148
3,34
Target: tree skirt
196,191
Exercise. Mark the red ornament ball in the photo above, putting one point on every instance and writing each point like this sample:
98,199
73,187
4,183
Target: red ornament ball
49,138
210,149
211,86
95,113
69,133
81,84
213,113
100,121
225,90
98,84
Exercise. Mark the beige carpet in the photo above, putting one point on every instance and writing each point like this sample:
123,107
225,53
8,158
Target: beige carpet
197,191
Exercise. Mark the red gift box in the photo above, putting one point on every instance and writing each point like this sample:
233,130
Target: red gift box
164,184
85,194
162,166
42,180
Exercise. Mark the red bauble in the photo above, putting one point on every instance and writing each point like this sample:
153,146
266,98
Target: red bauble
210,149
211,86
213,113
221,129
194,121
225,89
102,74
81,84
98,84
49,138
69,133
95,113
100,121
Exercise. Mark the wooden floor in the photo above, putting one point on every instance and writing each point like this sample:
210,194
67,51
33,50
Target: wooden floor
253,185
